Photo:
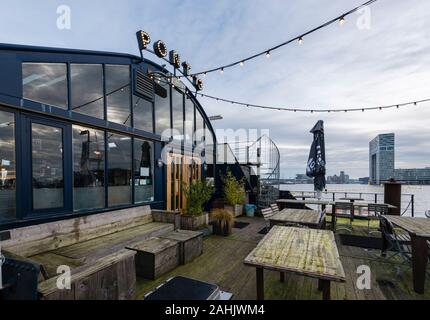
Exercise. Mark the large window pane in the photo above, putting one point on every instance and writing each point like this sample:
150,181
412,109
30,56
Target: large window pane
142,114
143,171
7,167
118,94
178,113
119,169
199,127
87,89
45,83
162,112
47,167
88,168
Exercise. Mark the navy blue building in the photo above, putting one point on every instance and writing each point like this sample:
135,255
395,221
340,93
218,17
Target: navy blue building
83,132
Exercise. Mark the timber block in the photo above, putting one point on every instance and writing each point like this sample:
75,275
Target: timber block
190,244
155,257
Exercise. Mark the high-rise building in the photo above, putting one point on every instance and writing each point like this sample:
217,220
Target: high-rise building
381,158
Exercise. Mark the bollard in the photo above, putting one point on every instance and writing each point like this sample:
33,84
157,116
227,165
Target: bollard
393,196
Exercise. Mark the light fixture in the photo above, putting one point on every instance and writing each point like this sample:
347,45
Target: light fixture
242,63
222,70
198,83
342,21
300,40
268,54
174,59
186,68
160,163
143,39
160,49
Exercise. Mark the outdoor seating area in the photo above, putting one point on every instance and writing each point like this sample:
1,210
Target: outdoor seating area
231,262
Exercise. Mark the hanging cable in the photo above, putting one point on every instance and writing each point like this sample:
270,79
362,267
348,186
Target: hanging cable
341,19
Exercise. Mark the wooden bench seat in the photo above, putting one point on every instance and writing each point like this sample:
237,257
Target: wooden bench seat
93,247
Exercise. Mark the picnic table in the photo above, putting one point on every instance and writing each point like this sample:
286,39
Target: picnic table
419,231
308,218
307,252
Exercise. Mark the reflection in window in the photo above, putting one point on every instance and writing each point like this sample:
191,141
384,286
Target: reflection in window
119,172
200,134
189,120
178,113
87,89
143,171
47,167
45,83
7,167
88,168
162,112
118,94
209,152
142,114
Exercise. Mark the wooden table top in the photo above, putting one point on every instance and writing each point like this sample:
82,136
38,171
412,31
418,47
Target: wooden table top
300,216
352,199
419,227
308,201
301,251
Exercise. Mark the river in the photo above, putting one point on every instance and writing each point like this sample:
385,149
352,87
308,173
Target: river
421,193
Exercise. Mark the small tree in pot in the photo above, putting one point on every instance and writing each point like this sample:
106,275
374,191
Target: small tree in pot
223,222
197,193
234,193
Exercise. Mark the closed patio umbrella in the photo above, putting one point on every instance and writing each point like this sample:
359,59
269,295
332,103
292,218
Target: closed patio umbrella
316,167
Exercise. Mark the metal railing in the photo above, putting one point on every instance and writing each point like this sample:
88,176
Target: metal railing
407,200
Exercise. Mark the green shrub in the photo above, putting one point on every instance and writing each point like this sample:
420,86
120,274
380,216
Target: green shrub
197,193
234,190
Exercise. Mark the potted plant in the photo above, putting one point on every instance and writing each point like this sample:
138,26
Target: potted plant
234,194
223,222
197,194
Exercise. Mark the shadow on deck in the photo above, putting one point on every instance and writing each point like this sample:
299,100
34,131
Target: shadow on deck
222,263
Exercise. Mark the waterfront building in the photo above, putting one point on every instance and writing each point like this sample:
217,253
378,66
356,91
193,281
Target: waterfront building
413,176
81,133
381,158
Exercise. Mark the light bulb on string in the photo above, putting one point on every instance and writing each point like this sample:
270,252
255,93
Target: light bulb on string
242,63
222,70
301,40
268,55
342,21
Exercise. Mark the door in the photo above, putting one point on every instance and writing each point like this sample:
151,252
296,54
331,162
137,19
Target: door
181,170
47,166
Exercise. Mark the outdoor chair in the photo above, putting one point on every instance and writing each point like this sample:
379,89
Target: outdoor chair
375,210
275,208
267,214
347,207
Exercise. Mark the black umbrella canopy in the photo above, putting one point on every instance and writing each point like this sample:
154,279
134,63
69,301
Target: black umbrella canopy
316,167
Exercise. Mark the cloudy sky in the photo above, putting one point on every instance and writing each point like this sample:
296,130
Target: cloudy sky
335,67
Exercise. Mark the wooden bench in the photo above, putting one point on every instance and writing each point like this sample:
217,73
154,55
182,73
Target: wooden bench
190,244
155,257
94,249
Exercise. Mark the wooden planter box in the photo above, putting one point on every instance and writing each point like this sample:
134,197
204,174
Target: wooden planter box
236,210
193,222
155,257
190,244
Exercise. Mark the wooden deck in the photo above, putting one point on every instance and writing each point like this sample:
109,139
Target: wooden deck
222,263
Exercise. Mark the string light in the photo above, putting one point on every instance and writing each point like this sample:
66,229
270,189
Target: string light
242,63
340,19
222,70
312,110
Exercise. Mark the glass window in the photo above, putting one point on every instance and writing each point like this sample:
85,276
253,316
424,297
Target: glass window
118,94
189,120
87,89
162,112
199,127
178,113
88,168
119,169
45,83
143,171
142,114
7,167
47,166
